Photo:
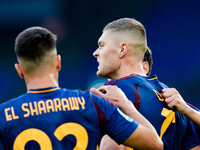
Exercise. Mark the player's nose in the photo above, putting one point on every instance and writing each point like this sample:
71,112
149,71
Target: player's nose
96,53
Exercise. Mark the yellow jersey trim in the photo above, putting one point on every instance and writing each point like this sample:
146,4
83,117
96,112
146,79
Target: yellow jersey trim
153,78
44,91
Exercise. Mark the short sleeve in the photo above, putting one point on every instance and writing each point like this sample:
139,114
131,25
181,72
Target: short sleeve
120,126
113,121
190,139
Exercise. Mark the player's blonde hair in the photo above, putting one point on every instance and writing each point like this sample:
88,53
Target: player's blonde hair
130,30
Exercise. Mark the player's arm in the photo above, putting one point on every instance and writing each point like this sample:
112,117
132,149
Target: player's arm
112,144
145,136
174,99
195,148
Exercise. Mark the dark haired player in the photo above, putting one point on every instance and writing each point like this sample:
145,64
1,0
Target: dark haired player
148,61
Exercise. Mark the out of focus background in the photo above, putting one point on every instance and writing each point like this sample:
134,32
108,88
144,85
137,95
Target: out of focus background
172,27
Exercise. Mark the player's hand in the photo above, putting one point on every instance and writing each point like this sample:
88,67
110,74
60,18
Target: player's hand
113,94
174,99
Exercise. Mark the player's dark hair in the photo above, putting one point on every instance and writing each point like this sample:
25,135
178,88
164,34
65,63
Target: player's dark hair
34,42
148,58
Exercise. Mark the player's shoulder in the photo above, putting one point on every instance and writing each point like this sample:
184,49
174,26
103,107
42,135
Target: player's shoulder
153,79
99,100
12,102
103,106
14,99
87,95
75,92
133,78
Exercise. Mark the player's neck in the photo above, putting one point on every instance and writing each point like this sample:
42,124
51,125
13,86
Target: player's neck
128,70
49,80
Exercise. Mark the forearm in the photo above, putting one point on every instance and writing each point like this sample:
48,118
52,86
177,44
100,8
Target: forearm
193,115
144,138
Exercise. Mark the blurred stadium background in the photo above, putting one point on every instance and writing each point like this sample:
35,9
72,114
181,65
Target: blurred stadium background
172,29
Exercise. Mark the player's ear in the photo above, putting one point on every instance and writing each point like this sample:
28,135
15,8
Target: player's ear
146,67
123,50
19,70
58,62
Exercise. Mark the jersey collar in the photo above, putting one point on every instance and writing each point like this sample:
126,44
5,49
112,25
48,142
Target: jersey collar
43,90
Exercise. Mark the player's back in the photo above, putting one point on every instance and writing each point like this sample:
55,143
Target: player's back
54,118
145,93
